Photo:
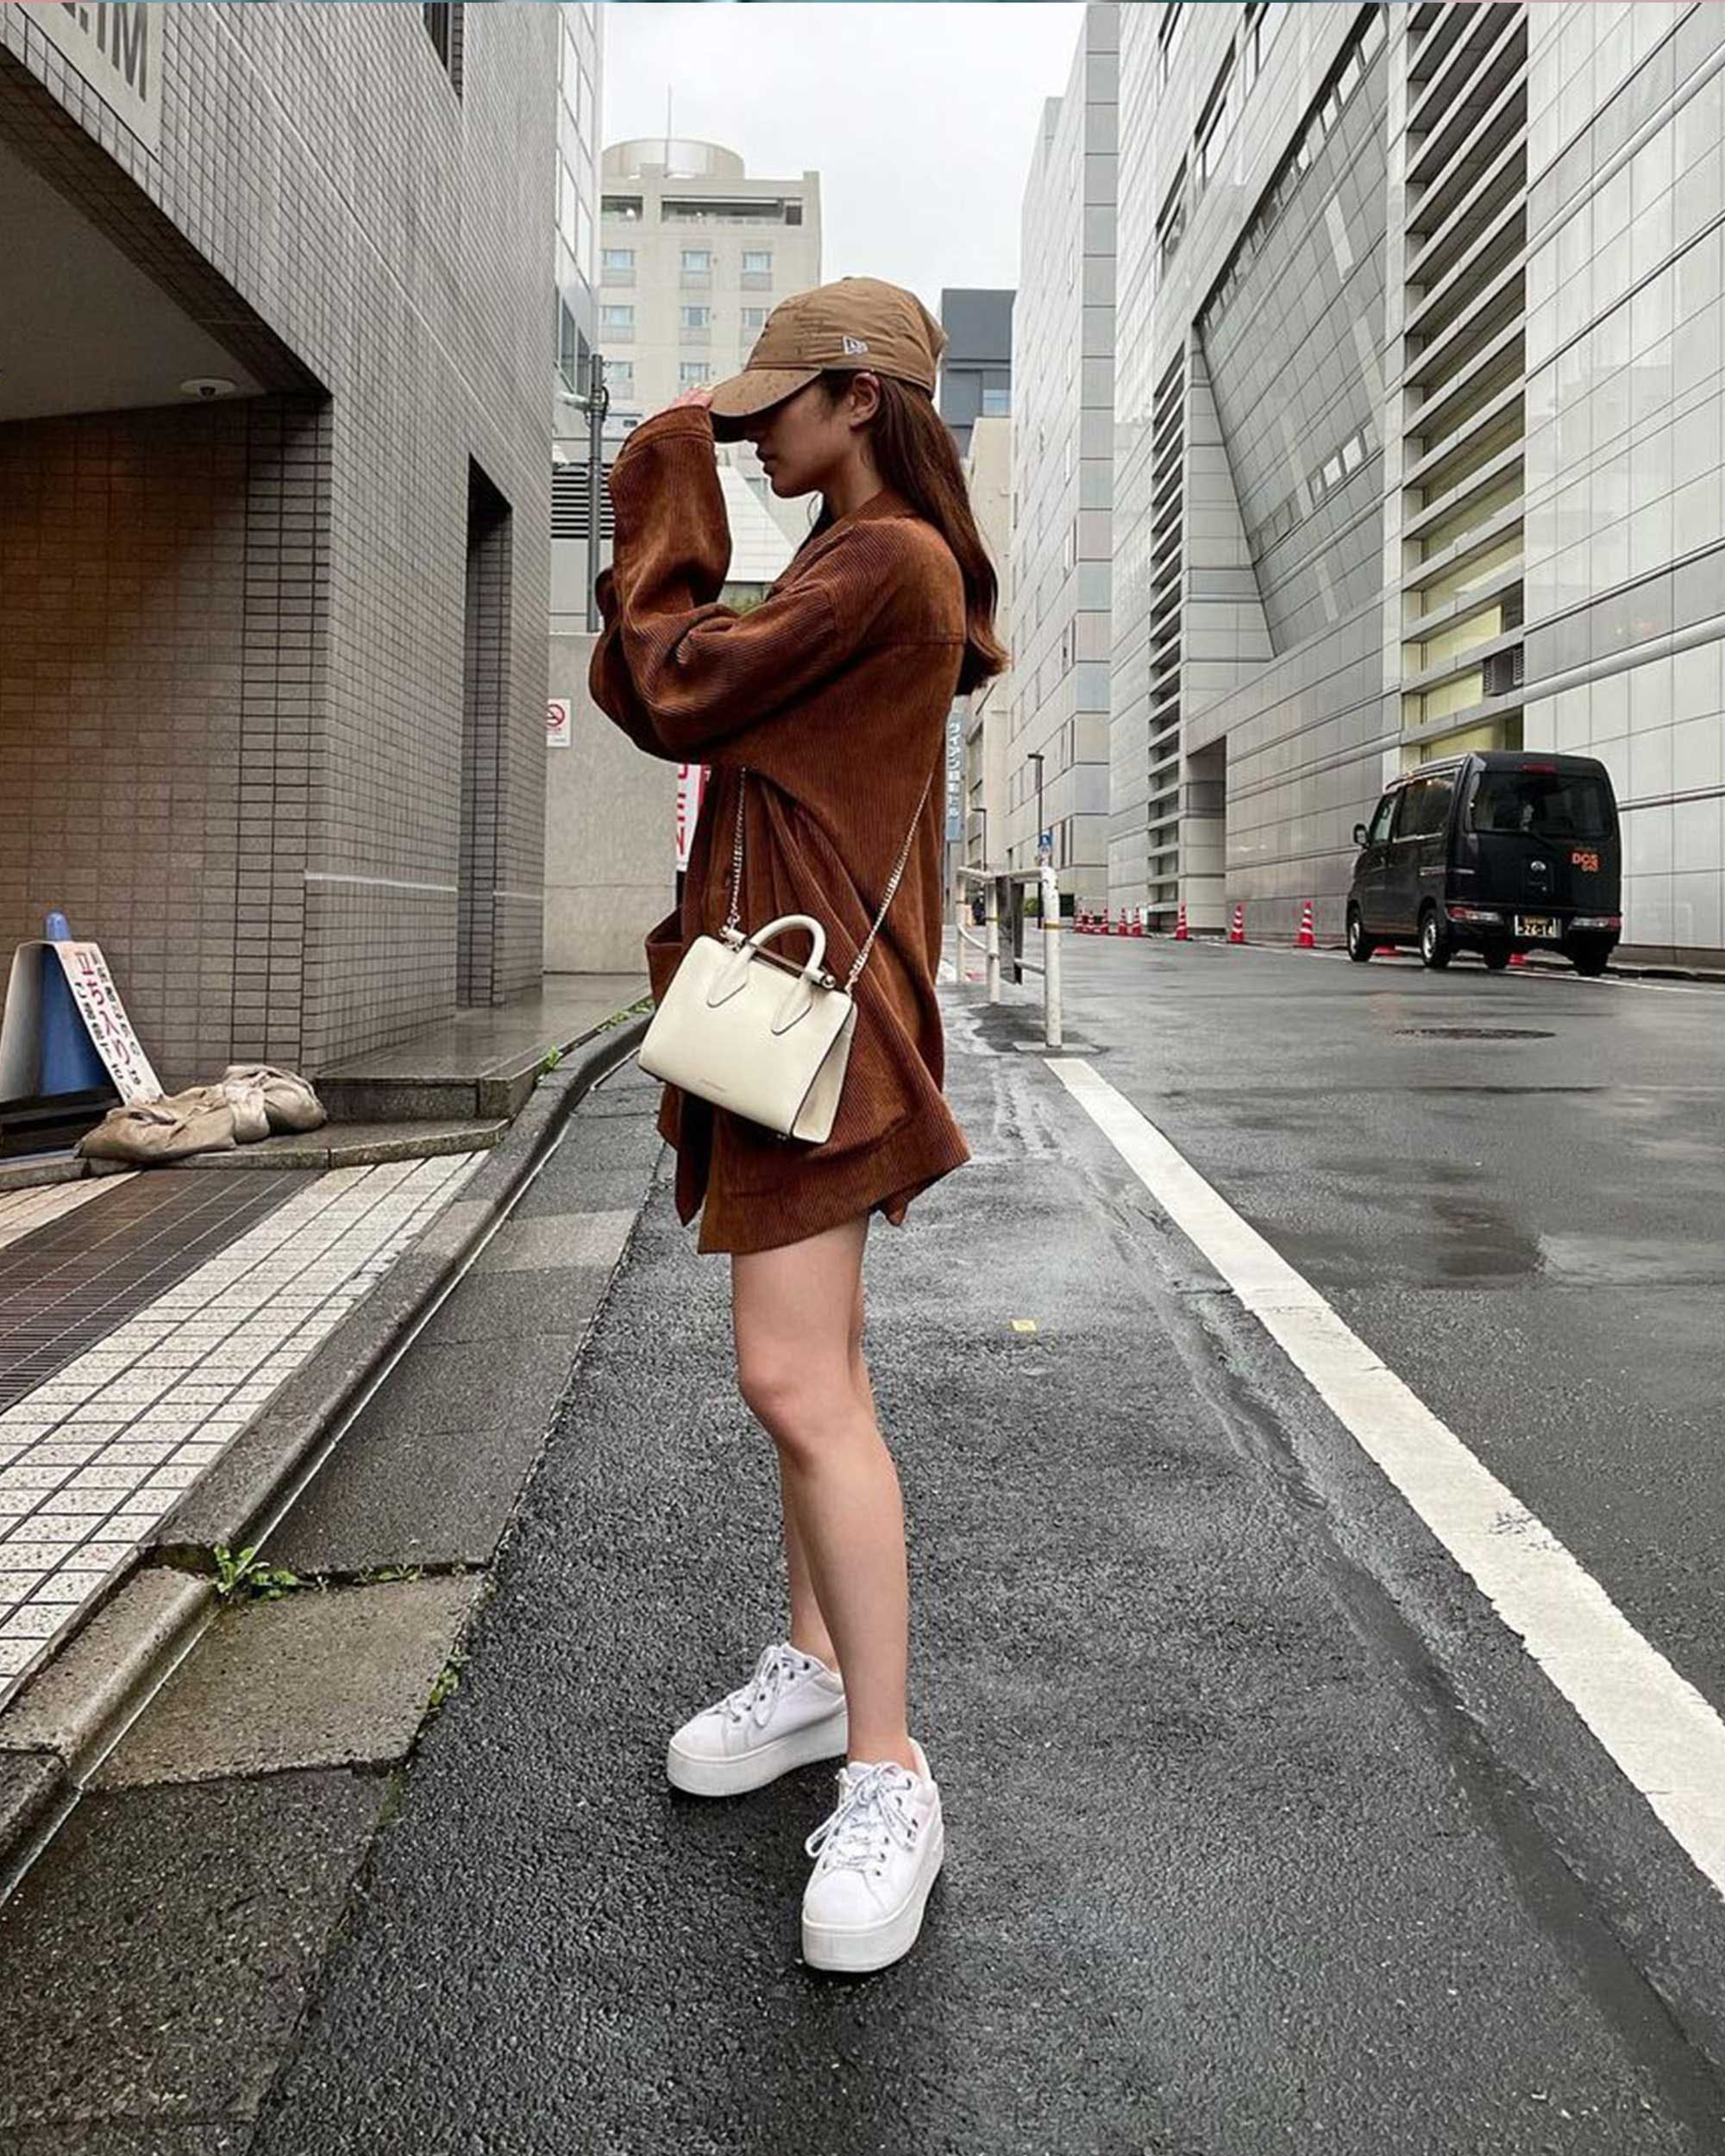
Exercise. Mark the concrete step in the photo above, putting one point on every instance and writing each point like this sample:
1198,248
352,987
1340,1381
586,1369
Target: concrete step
481,1063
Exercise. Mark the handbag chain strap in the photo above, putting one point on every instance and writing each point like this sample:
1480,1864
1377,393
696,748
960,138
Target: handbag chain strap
733,919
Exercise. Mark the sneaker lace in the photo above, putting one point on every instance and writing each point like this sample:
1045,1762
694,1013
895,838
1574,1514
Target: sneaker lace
759,1696
872,1812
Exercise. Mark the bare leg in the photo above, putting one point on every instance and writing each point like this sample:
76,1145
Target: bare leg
809,1629
795,1313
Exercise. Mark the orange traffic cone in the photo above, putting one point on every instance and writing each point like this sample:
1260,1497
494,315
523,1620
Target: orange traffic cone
1138,920
1181,933
1237,933
1307,939
1123,926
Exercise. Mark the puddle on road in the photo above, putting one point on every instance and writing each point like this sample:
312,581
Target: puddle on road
1477,1240
1438,1241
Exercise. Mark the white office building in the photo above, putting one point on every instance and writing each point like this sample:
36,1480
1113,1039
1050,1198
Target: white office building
1057,700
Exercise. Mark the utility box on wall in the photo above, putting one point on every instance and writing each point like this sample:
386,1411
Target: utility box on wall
610,832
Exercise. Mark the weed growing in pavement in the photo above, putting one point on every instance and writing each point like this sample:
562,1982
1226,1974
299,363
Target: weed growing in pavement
552,1057
448,1681
242,1579
621,1018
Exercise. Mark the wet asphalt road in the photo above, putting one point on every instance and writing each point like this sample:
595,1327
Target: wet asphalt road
1512,1186
1261,1835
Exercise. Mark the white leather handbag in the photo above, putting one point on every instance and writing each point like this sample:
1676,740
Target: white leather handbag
755,1033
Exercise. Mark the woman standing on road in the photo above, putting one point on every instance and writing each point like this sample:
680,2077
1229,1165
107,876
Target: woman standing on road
834,694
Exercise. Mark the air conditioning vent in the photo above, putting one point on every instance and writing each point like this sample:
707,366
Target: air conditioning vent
569,504
1503,672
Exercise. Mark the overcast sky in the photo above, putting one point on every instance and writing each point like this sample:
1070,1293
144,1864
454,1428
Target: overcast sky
919,115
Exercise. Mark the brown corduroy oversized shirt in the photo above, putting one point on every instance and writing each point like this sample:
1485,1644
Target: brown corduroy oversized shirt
834,693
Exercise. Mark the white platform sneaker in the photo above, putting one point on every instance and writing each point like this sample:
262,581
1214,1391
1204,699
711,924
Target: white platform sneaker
877,1854
790,1712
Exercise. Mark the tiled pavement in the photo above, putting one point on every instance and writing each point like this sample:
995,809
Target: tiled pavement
93,1454
71,1279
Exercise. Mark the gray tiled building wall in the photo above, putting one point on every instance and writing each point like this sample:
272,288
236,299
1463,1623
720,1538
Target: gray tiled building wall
1625,454
231,713
1621,544
1282,665
157,731
1056,701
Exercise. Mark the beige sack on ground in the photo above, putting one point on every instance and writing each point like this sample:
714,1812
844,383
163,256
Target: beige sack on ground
251,1112
288,1099
198,1120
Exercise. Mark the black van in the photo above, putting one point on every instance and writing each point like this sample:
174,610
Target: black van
1497,851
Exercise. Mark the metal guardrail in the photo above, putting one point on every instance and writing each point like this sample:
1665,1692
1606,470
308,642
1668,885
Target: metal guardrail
996,883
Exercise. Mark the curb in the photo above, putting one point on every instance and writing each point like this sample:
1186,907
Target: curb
75,1708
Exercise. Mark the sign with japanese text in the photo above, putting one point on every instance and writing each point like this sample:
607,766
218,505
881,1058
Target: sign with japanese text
691,792
97,1002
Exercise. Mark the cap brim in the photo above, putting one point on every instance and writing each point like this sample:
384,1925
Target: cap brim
742,396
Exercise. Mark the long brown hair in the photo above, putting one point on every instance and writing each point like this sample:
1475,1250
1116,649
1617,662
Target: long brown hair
917,457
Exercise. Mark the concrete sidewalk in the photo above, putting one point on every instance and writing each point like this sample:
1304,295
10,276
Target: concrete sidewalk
1225,1872
176,1347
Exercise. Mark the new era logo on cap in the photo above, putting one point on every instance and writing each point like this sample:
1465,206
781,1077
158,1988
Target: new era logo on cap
855,344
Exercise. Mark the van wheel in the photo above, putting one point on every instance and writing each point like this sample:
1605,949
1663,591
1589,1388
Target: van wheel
1436,950
1589,959
1496,955
1360,945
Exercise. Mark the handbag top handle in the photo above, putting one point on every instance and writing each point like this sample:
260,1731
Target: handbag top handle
732,919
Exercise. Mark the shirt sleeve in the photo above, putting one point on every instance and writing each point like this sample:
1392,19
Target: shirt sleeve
680,673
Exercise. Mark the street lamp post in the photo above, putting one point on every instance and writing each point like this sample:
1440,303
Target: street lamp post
1034,756
595,403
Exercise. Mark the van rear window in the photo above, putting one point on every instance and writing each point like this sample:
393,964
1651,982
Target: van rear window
1542,805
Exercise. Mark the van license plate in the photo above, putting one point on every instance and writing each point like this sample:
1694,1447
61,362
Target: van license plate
1535,924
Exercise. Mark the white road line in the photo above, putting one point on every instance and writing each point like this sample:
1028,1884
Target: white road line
1657,1727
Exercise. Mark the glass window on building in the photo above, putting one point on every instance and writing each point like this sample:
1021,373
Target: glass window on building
1170,31
754,317
997,403
1263,19
696,317
1170,224
617,317
691,374
439,16
621,259
697,259
619,375
1216,122
757,261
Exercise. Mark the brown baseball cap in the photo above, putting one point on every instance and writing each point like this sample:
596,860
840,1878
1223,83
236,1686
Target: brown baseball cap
859,322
